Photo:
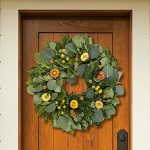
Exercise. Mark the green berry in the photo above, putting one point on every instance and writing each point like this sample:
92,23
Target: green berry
56,102
60,51
62,113
98,87
63,101
93,87
62,55
63,61
63,50
58,107
64,106
67,58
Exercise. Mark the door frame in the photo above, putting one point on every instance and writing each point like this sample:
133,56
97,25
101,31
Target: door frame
68,13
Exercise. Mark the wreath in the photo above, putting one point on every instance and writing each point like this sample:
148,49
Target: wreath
64,62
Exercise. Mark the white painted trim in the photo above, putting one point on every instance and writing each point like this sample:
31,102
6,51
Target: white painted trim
9,65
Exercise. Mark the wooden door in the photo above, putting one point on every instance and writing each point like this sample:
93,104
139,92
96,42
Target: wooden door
111,32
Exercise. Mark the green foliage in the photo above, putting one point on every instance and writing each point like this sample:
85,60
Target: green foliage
78,41
71,49
108,93
52,85
119,90
93,51
81,69
90,93
51,100
30,89
37,99
97,116
50,108
45,56
108,71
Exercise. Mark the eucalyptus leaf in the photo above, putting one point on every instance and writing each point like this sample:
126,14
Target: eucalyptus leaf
64,123
108,70
38,88
93,51
50,108
52,85
104,61
37,99
52,45
30,89
108,93
87,39
90,93
78,41
114,77
110,110
81,69
54,96
119,89
70,48
45,55
97,116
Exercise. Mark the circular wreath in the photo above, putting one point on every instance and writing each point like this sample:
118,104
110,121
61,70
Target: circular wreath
66,61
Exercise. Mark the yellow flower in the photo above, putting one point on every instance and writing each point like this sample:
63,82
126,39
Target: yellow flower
74,104
46,97
54,73
84,56
99,104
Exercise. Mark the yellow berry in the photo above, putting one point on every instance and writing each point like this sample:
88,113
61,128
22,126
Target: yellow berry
93,87
64,106
63,61
56,102
62,113
67,58
60,51
63,101
63,50
96,88
100,91
62,55
58,107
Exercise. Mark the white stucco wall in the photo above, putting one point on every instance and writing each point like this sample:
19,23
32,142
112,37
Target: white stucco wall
9,65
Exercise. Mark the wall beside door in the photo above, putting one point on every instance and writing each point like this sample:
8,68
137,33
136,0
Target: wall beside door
9,64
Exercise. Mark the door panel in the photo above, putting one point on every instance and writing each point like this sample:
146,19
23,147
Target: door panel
111,32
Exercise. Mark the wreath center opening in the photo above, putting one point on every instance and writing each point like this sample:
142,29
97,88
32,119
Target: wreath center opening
78,88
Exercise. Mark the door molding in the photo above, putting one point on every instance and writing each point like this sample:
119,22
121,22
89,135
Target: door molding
22,14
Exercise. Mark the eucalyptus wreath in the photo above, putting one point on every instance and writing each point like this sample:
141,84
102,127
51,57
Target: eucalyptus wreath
65,62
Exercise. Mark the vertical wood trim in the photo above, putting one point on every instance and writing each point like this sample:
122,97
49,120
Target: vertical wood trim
121,43
30,128
130,80
20,82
